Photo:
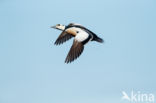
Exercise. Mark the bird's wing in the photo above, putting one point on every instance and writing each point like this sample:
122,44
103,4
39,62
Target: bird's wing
75,51
82,27
64,36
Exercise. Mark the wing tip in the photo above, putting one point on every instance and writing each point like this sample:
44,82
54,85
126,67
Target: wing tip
58,43
67,61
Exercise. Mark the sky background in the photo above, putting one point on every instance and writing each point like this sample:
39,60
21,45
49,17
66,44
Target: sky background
32,68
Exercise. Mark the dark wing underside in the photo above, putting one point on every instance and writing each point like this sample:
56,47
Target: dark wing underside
63,38
75,51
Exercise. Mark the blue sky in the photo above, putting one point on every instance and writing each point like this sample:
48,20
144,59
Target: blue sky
32,68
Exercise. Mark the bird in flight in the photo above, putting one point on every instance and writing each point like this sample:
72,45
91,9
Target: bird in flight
81,37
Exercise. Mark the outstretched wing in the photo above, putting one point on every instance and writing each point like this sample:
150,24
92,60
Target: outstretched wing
75,51
64,36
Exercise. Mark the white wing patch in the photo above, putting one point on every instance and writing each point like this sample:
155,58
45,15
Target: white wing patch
81,35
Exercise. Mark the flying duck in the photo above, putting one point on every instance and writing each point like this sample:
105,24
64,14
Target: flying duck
81,36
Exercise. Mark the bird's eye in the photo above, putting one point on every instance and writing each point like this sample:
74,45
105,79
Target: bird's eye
77,31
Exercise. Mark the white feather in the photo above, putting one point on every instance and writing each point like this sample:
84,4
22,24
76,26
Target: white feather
81,35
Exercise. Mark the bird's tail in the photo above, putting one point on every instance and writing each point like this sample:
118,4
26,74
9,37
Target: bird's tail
98,39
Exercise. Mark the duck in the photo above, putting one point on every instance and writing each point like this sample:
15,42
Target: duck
81,36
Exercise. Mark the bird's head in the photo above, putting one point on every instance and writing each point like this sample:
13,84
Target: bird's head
59,27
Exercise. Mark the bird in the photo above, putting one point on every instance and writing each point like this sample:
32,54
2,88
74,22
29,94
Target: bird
81,36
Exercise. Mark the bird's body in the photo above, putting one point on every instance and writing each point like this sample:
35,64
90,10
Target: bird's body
81,37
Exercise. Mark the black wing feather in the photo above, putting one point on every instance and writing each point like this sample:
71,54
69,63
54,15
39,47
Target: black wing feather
63,38
75,51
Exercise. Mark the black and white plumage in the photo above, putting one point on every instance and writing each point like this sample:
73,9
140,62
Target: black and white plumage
81,36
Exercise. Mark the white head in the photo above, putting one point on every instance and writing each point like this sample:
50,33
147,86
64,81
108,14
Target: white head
59,27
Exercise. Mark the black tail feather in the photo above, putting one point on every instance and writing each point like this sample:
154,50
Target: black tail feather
100,40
